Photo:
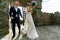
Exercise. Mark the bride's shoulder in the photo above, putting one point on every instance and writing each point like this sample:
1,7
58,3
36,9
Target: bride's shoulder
28,7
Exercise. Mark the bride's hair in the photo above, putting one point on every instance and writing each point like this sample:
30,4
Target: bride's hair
33,3
28,4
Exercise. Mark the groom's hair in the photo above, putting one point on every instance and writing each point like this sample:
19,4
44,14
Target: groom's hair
16,2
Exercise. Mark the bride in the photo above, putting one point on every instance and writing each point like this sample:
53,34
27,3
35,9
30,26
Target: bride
31,33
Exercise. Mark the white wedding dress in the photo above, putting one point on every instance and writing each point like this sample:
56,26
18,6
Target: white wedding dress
31,33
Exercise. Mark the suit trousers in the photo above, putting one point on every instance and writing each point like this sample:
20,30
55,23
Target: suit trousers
15,21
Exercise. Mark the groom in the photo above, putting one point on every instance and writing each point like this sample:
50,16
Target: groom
14,14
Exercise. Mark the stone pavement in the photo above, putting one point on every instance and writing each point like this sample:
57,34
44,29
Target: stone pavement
46,33
49,32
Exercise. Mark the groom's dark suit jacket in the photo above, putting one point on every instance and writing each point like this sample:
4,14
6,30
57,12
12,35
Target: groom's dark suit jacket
13,13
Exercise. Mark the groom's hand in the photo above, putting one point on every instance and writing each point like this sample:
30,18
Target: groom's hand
12,17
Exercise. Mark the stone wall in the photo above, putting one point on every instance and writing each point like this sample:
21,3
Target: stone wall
44,18
4,26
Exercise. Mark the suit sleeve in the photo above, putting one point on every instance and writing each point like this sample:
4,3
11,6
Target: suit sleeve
20,13
10,11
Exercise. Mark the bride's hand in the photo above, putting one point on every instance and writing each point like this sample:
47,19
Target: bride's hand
12,17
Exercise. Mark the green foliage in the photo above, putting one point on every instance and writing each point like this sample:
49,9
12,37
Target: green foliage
4,26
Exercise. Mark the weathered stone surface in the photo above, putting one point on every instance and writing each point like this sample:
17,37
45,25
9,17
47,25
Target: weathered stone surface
48,33
51,32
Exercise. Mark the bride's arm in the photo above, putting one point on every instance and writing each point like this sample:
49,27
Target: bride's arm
29,9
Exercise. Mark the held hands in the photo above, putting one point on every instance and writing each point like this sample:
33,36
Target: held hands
12,17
